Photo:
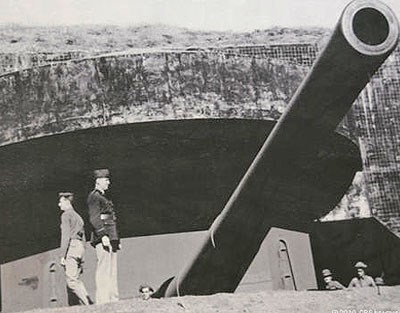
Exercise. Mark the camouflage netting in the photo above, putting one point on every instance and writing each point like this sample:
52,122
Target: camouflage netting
375,122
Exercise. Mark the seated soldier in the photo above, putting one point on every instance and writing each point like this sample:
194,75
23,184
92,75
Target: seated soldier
331,284
145,291
362,279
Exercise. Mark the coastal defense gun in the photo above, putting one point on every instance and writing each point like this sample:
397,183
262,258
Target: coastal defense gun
292,171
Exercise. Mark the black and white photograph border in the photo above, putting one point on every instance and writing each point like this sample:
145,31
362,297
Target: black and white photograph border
200,156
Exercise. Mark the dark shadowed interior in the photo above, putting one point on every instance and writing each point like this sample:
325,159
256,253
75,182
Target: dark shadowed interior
169,176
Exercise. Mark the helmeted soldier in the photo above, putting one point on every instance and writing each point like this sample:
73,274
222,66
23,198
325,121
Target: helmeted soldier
330,283
72,249
104,238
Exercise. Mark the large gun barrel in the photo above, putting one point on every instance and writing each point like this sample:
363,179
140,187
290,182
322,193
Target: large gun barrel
286,177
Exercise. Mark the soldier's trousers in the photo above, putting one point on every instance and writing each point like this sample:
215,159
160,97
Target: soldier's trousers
73,270
106,275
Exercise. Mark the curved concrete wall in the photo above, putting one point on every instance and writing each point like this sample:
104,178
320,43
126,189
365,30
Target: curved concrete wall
119,88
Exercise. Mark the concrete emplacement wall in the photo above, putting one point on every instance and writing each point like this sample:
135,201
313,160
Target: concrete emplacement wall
284,261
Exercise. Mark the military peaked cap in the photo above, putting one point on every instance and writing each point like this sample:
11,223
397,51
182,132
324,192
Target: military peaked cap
102,173
65,194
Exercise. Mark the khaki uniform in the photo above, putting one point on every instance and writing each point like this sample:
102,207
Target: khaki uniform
366,281
334,285
103,220
73,249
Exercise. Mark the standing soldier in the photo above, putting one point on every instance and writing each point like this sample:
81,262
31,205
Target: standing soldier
104,238
72,248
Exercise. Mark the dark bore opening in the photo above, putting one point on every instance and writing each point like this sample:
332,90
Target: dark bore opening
370,26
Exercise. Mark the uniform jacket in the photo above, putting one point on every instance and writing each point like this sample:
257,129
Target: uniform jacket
72,227
102,218
334,285
366,281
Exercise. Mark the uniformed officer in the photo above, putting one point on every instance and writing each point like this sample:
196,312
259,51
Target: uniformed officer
104,238
362,279
72,249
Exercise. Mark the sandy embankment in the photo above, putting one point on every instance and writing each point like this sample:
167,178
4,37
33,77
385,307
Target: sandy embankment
360,301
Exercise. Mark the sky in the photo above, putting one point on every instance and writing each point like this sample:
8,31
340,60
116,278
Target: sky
221,15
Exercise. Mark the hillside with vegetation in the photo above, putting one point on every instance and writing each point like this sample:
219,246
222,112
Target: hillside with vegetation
16,38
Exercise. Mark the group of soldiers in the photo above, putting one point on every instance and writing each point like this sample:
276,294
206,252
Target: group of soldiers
360,280
104,238
106,241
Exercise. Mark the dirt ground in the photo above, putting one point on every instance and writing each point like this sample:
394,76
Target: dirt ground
361,301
